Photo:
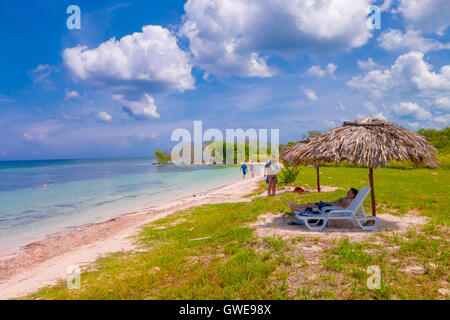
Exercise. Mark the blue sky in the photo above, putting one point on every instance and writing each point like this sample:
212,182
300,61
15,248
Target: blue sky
137,70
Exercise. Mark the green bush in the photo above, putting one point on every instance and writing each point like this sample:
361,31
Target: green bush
289,174
439,138
162,157
445,161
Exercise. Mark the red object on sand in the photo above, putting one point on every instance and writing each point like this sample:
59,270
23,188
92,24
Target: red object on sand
299,190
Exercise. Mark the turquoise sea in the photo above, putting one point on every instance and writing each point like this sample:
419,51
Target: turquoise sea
41,198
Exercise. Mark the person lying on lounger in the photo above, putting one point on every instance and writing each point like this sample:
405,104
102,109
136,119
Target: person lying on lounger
343,202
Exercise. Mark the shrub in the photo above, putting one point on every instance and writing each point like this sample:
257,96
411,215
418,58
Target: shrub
289,174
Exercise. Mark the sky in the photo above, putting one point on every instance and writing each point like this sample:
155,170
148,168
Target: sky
138,70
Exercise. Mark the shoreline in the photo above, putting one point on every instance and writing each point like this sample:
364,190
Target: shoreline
11,252
42,263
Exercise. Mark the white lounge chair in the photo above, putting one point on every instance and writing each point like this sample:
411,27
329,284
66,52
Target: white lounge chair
355,213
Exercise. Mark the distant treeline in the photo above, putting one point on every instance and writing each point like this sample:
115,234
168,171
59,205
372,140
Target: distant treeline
163,157
439,138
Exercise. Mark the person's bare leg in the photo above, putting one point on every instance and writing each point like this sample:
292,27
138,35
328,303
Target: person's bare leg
271,182
274,186
299,207
269,188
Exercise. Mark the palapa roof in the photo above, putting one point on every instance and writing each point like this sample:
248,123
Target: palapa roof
368,141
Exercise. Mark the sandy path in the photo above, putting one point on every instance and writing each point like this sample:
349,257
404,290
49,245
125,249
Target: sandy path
42,263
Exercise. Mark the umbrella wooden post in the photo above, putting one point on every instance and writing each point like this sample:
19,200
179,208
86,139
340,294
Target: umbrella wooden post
318,178
372,192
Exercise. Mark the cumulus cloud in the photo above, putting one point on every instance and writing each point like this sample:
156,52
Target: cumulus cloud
410,74
318,72
428,15
104,116
368,65
236,37
411,110
150,59
396,40
71,95
310,94
143,109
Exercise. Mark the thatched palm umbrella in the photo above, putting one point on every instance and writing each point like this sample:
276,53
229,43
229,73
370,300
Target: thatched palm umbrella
369,142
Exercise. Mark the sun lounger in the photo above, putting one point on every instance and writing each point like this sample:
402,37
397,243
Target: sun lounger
355,213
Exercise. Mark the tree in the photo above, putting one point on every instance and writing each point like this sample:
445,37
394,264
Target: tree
162,157
311,134
439,138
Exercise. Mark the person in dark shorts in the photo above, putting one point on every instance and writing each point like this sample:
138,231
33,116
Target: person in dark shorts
244,170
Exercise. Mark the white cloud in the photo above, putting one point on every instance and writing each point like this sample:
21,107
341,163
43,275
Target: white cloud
414,125
370,106
234,37
396,40
443,103
40,137
71,95
66,116
380,115
340,107
374,111
410,75
5,99
368,65
149,60
411,110
428,15
443,120
27,136
104,116
143,109
310,94
386,5
318,72
42,74
331,68
43,132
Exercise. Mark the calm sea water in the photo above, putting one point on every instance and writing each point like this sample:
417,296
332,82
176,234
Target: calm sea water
39,198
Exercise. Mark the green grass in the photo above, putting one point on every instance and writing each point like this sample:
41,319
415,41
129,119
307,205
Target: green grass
399,191
210,252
